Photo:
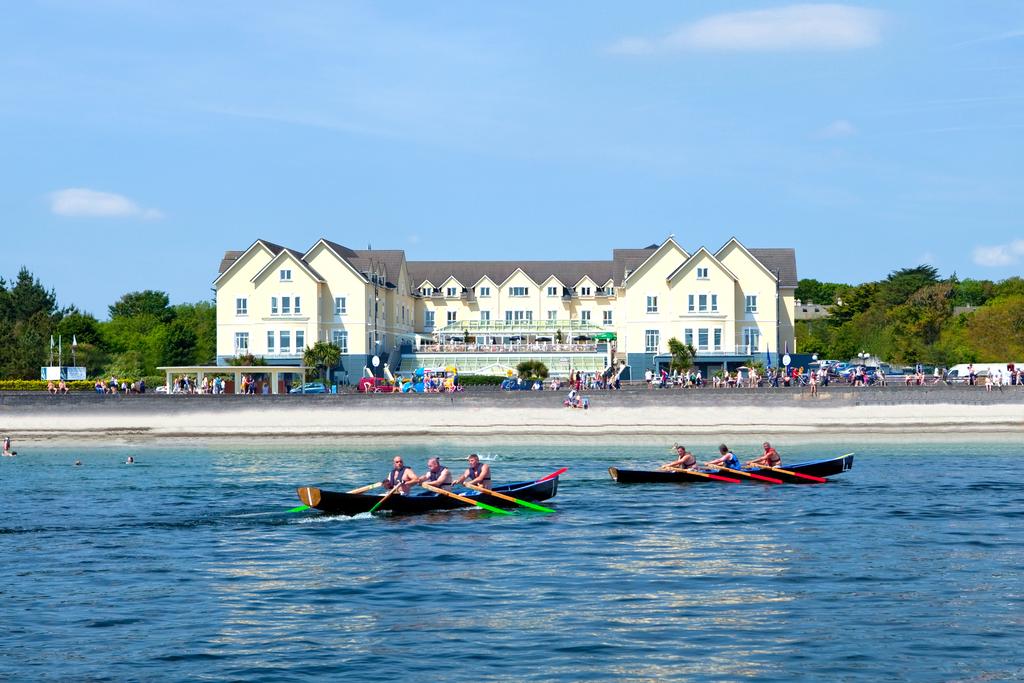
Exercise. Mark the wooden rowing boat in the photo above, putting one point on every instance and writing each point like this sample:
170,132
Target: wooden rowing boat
339,503
815,468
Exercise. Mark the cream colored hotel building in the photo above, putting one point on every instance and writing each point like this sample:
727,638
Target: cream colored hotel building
733,304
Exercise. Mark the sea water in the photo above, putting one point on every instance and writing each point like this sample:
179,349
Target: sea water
185,566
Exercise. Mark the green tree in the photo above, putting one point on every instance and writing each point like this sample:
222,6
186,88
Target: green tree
973,292
809,289
532,369
322,355
916,325
900,284
247,360
146,303
997,330
682,355
201,318
178,344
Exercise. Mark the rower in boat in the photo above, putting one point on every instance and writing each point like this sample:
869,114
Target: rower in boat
685,460
727,460
478,473
400,474
770,457
437,475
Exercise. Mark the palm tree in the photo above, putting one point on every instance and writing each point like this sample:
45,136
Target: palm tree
682,354
321,355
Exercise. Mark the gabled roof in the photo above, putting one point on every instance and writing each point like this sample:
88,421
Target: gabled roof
298,259
781,261
231,258
692,261
500,271
653,253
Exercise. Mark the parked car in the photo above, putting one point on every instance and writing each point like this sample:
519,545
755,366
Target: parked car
309,388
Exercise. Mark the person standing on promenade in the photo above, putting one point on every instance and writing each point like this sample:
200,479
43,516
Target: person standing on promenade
728,459
400,475
770,457
478,473
685,459
437,475
814,382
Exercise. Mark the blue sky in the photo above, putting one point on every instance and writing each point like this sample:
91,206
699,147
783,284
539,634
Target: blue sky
139,140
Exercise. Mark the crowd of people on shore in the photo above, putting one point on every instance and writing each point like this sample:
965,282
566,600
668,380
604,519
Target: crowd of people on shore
123,387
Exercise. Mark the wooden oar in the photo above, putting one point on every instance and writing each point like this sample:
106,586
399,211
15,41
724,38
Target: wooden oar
464,499
747,474
386,496
791,473
699,474
524,503
307,495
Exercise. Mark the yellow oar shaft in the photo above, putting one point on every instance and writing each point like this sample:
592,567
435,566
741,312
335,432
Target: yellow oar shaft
524,503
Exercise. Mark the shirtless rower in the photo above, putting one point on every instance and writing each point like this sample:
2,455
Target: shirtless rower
399,474
437,475
770,457
478,473
685,460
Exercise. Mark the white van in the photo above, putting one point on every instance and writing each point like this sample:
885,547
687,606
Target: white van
959,373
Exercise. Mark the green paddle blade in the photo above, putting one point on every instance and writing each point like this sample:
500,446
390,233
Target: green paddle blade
298,509
533,506
491,508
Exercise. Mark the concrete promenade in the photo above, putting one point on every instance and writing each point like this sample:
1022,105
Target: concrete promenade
862,411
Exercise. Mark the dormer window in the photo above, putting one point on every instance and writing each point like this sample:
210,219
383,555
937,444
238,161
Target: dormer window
518,291
286,275
452,291
584,291
702,274
485,292
552,291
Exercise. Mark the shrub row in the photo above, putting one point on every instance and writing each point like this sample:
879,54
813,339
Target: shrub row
480,380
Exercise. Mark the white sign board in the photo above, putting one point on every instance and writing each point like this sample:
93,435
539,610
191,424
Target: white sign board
786,359
376,361
51,373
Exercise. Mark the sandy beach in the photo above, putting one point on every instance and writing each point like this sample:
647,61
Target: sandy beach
841,412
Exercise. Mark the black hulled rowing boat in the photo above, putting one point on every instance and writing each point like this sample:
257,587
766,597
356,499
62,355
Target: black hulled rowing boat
338,503
814,468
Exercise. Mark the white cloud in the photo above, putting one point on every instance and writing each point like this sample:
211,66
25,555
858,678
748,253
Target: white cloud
840,128
790,28
79,202
999,255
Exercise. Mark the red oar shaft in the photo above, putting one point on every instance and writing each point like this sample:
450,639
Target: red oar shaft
718,478
553,474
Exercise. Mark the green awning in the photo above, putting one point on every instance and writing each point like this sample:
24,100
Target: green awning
605,336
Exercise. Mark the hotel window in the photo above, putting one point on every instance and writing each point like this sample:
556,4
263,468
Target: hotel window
452,316
702,302
270,341
651,341
552,315
751,303
286,275
286,342
485,316
584,291
688,336
714,303
428,319
340,306
298,305
241,307
518,291
689,301
702,339
241,341
273,305
552,291
485,292
607,318
340,339
584,316
652,304
451,291
300,341
718,339
751,339
425,291
702,273
286,305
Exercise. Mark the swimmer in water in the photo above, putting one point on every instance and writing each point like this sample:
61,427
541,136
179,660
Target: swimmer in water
77,463
129,461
